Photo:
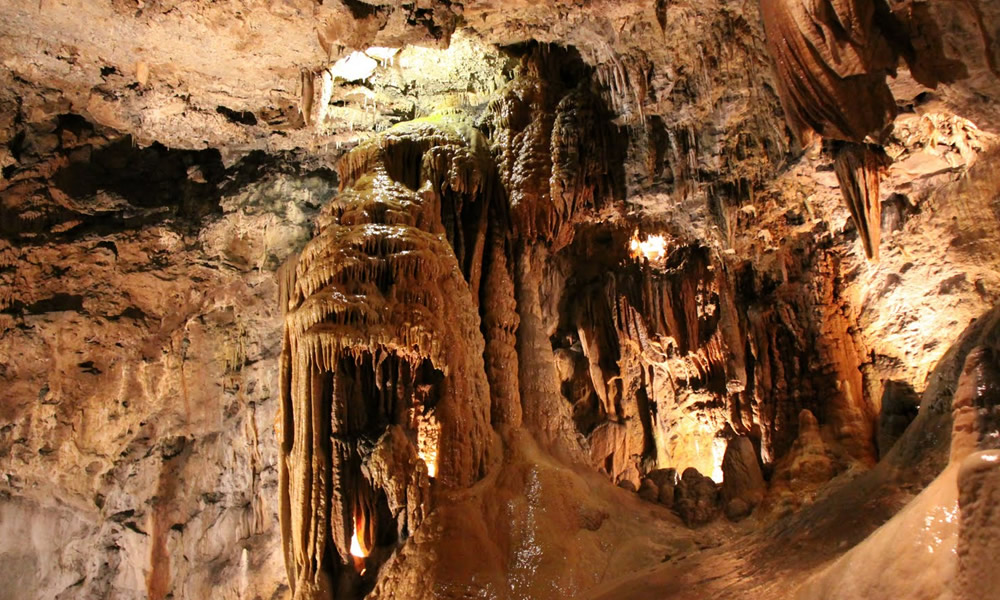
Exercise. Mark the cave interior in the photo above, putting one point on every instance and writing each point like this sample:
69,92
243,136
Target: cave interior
434,299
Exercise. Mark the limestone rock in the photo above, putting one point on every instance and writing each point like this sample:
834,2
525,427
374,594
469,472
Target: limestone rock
159,159
743,483
369,353
648,490
667,494
663,476
976,405
737,509
696,498
810,462
859,172
978,538
665,481
831,80
808,465
899,407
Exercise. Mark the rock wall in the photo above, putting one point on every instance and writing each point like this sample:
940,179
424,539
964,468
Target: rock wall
140,343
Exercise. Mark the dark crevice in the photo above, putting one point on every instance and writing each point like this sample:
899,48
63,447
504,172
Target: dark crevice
361,10
116,186
241,117
55,303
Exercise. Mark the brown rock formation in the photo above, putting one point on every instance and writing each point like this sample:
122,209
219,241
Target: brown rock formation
976,405
382,360
555,148
743,484
858,169
978,496
832,58
696,498
804,469
510,330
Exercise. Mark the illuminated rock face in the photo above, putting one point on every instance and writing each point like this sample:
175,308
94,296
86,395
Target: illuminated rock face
978,496
382,381
832,59
976,406
614,272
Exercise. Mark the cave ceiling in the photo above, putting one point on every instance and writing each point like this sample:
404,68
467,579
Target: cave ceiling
295,76
243,76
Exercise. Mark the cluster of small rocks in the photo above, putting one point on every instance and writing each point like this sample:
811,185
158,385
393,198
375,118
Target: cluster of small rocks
698,499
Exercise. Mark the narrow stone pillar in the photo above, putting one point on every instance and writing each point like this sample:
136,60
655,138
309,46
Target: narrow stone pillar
975,445
979,532
976,405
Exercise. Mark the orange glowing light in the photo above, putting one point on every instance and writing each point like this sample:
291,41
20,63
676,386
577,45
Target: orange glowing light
653,248
428,438
356,549
430,461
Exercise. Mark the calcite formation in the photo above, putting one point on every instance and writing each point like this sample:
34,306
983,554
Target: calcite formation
382,380
563,299
978,489
976,406
555,146
743,485
949,528
858,168
832,59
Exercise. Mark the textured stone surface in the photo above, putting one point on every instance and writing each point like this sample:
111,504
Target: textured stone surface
743,484
978,495
696,498
976,405
139,354
383,342
140,335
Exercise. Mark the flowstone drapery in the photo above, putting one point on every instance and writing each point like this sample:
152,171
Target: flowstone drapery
383,389
831,59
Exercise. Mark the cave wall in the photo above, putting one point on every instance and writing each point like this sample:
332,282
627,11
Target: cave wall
141,333
140,345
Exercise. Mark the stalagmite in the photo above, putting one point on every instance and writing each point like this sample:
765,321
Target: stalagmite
501,321
743,484
975,450
976,405
979,532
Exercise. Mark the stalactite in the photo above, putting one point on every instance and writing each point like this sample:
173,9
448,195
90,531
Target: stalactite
709,353
656,359
831,61
383,384
624,83
556,150
858,168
